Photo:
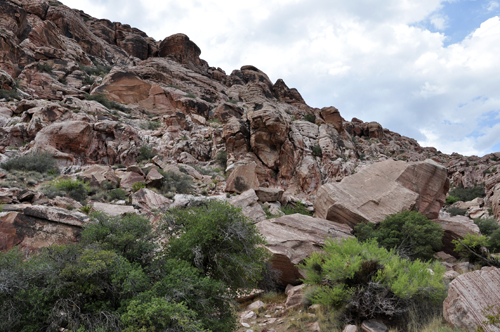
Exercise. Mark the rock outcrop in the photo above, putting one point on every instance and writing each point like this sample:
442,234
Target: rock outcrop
382,189
456,228
472,296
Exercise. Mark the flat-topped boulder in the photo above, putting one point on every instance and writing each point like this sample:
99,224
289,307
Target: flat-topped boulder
382,189
454,228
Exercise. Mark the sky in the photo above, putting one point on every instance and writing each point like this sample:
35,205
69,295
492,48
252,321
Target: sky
427,69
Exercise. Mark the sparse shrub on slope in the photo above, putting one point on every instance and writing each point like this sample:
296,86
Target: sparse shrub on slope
467,194
410,233
364,280
76,189
41,162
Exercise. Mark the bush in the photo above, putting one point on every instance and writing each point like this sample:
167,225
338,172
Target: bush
98,70
467,194
364,280
41,162
219,240
409,233
190,95
494,242
451,199
178,183
9,94
471,247
456,211
45,67
316,151
297,207
310,117
221,158
487,225
118,194
145,153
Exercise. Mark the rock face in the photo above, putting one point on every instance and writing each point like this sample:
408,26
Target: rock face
248,201
292,238
468,297
242,178
382,189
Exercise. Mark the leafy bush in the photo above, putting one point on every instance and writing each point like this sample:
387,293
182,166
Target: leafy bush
297,207
103,100
221,158
409,233
365,280
451,199
138,186
487,225
45,67
118,194
76,189
145,153
219,240
41,162
173,182
494,241
316,151
88,80
467,194
310,117
470,246
9,94
98,70
456,211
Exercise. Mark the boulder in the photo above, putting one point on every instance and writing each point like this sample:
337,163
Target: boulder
350,328
373,325
456,228
124,87
269,194
469,297
97,174
257,305
251,208
384,188
294,296
32,233
180,48
112,209
331,115
292,238
127,179
58,215
154,177
242,178
148,200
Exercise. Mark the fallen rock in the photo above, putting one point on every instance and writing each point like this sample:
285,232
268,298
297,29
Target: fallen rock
112,209
450,275
269,194
154,178
248,201
350,328
292,238
294,296
257,305
242,178
127,180
382,189
97,174
148,200
247,315
456,228
469,295
58,215
373,325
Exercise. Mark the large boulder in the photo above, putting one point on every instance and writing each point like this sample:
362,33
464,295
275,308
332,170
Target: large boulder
469,297
382,189
181,49
249,203
243,178
292,238
148,200
455,228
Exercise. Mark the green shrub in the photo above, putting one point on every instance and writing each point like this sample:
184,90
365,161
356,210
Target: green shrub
365,280
220,241
103,100
145,153
118,194
98,70
470,246
451,199
138,186
45,67
86,209
297,207
409,233
221,158
173,182
76,189
456,211
88,80
494,242
310,117
467,194
316,151
9,94
487,225
41,162
190,95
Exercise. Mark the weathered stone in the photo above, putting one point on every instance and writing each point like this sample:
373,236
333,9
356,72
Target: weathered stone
65,203
154,178
450,275
269,194
456,228
373,325
257,305
248,201
112,209
58,215
382,189
469,297
242,178
292,238
97,174
350,328
148,200
294,296
247,315
127,180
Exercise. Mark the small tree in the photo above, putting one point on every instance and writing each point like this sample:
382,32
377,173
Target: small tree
219,240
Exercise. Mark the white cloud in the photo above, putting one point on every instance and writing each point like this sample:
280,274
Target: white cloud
492,5
371,59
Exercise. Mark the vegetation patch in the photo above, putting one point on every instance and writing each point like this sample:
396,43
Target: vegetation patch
310,117
41,162
145,153
467,194
103,100
76,189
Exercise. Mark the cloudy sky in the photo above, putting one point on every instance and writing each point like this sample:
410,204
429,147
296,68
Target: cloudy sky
427,69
